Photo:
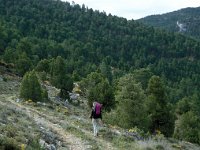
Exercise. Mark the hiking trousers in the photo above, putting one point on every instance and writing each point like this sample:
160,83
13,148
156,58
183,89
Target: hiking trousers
96,125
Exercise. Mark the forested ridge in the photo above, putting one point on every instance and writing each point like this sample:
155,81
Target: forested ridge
47,36
185,20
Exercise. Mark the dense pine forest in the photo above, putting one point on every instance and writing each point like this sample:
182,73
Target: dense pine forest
149,76
185,21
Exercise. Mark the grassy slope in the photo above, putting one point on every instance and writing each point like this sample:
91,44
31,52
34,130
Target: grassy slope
69,128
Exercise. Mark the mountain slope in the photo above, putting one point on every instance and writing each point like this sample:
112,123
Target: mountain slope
59,127
186,21
53,125
34,32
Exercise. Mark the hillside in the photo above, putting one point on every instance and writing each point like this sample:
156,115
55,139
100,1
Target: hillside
54,126
147,79
185,21
36,30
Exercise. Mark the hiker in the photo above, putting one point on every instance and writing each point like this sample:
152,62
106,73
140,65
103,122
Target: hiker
96,117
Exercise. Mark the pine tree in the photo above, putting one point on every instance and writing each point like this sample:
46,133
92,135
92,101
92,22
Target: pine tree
59,77
98,89
106,71
159,110
23,64
31,88
130,99
187,127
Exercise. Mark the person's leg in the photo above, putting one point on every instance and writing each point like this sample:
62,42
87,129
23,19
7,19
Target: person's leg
98,125
94,122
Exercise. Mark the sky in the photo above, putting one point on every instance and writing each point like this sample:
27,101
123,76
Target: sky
135,9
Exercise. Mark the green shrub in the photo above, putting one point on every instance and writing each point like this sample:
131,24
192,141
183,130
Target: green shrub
5,79
10,131
31,88
34,145
8,144
188,127
160,147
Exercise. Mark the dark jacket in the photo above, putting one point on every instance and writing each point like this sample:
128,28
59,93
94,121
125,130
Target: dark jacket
94,115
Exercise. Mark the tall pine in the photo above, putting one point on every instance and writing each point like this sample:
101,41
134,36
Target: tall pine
158,108
59,77
130,99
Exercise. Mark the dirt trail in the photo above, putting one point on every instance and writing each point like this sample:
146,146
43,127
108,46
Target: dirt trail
68,140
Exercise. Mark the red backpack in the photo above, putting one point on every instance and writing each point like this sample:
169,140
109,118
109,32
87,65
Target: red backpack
98,108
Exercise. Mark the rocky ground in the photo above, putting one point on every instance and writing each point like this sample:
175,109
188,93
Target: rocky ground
63,126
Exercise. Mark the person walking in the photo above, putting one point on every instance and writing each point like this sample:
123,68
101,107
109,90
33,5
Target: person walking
96,116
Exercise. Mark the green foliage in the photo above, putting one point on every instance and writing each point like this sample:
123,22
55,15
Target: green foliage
8,144
9,55
142,75
59,78
43,76
43,65
130,98
34,144
156,90
23,64
44,95
188,127
98,89
189,17
69,42
183,106
106,71
195,104
160,147
31,88
117,46
159,111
